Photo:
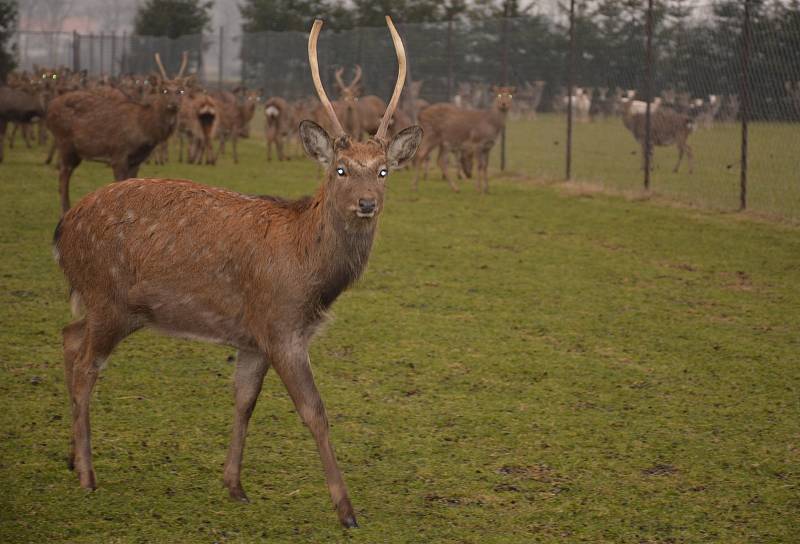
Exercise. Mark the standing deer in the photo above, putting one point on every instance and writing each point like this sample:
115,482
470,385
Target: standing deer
95,126
255,273
279,123
667,127
198,121
18,106
473,132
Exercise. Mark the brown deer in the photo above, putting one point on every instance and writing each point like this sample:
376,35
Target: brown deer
667,127
471,131
197,122
247,100
234,114
279,124
346,107
255,273
17,106
94,126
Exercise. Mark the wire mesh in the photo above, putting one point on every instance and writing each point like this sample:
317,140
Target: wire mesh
697,72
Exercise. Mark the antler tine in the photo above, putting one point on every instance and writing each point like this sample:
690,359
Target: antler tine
357,77
339,80
312,60
398,86
161,66
184,63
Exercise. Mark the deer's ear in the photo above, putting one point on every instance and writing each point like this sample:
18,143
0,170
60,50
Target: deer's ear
403,146
316,142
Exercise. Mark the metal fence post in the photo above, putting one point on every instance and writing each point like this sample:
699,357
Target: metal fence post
648,93
450,58
102,51
505,83
570,85
221,51
745,92
113,53
76,51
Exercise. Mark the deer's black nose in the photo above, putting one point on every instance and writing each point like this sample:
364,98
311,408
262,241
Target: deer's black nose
366,205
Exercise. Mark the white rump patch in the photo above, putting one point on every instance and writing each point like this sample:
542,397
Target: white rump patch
272,111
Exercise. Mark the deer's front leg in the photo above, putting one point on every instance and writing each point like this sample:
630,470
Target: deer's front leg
251,366
294,368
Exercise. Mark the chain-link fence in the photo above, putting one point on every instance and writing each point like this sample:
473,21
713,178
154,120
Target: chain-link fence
696,69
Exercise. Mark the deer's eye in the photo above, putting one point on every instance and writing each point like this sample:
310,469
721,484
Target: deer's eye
340,171
383,173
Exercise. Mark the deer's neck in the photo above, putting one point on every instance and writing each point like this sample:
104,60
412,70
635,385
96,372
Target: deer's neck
158,122
337,248
497,117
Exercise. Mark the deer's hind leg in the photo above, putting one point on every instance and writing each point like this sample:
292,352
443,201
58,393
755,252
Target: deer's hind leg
73,340
251,367
69,161
100,336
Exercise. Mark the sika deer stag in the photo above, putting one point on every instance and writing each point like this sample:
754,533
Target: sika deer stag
96,126
255,273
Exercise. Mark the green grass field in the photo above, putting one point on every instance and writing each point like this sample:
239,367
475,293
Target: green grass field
605,153
526,366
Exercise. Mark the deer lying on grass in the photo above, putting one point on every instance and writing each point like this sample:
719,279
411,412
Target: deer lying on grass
474,132
667,127
279,123
93,126
255,273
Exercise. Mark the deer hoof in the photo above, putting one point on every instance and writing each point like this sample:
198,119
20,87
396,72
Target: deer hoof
87,480
350,522
238,494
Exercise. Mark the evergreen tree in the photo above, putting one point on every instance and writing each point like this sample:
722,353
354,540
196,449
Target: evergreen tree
173,18
8,23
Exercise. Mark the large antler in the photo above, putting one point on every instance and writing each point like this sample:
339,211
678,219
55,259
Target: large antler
161,66
357,77
184,63
398,86
338,74
312,60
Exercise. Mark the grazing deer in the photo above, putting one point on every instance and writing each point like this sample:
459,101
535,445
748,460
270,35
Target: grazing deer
255,273
94,126
472,131
667,127
279,124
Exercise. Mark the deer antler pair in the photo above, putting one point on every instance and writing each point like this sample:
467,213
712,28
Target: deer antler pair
398,86
356,78
184,63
